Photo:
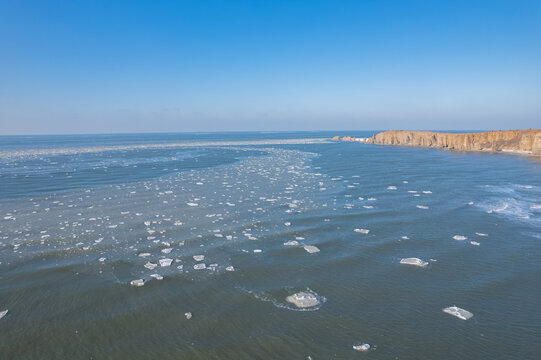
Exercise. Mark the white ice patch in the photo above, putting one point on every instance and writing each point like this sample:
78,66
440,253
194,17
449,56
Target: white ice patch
414,261
291,243
459,238
458,312
150,266
311,249
361,347
165,262
303,299
138,282
362,231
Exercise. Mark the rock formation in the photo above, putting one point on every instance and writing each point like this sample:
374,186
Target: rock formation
514,141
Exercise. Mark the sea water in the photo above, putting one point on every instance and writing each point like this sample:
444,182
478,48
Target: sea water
107,242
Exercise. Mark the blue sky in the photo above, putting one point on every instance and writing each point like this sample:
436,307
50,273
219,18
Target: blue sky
133,66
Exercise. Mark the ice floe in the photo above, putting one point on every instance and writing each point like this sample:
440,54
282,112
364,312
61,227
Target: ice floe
165,262
138,282
459,237
458,312
150,265
311,249
303,299
3,313
361,347
361,231
414,261
291,243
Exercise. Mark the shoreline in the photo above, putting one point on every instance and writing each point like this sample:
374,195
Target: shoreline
520,142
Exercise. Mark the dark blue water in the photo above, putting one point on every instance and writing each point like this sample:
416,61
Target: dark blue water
81,217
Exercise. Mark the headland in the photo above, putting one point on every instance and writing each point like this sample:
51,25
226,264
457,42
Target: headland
527,142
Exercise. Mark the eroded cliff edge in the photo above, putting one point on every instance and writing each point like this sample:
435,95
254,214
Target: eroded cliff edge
514,141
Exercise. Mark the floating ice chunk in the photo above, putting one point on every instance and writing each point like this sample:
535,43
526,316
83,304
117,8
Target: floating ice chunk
167,250
372,199
287,223
165,262
427,192
102,259
361,347
138,282
258,250
156,276
199,257
459,237
229,237
192,204
291,243
414,261
311,249
144,254
422,207
230,268
362,231
3,313
299,238
458,312
391,187
303,299
199,266
470,203
188,315
360,198
475,243
405,238
368,206
150,265
480,234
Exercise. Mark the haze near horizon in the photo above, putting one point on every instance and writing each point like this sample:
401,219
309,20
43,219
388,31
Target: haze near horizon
175,66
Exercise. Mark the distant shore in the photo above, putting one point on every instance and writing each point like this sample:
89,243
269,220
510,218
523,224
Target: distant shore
525,142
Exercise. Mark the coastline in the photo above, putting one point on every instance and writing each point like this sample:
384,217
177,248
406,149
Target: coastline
522,142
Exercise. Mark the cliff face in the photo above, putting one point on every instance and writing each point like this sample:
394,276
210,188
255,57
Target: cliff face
519,141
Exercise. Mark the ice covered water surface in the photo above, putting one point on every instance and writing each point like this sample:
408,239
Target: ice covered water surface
166,222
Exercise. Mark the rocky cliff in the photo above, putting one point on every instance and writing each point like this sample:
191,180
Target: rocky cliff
515,141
